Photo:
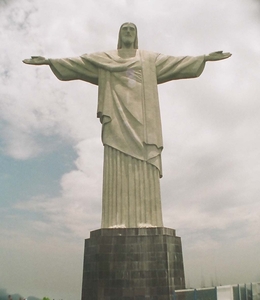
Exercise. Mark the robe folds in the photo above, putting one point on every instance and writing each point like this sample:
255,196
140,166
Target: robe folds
128,108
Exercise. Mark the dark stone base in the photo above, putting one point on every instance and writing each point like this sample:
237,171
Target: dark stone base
132,264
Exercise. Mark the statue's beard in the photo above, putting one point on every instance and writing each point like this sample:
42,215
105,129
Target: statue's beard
127,41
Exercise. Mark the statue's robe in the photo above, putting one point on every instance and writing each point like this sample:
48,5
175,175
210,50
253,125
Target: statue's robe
128,108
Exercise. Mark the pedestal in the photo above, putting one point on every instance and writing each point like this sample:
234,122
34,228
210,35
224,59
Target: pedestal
132,264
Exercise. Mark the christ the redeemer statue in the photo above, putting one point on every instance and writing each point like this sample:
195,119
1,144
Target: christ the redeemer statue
128,109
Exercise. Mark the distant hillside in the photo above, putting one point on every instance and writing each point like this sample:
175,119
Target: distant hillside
4,296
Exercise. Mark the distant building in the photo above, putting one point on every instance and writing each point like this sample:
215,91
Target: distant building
248,291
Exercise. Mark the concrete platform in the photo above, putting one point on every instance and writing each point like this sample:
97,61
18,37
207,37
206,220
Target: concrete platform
132,264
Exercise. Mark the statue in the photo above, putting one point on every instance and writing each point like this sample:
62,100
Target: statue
128,109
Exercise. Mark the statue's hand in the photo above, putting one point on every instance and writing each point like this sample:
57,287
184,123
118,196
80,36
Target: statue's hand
36,60
218,55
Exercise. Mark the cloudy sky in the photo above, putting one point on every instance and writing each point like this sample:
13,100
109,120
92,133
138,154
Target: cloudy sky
51,154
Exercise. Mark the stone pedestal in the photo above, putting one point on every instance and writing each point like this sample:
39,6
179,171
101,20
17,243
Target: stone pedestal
132,264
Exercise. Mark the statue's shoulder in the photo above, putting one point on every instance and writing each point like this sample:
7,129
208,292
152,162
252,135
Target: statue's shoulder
149,54
98,54
110,52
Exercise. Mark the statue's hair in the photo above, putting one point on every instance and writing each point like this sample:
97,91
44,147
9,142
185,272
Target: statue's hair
119,45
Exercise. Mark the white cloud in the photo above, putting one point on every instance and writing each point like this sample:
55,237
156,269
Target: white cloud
78,208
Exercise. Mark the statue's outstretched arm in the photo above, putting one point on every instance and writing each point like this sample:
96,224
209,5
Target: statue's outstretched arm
218,55
36,60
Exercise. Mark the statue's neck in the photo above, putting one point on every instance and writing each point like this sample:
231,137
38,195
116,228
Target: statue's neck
126,53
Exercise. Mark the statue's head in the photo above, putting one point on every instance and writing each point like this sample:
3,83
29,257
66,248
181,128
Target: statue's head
127,36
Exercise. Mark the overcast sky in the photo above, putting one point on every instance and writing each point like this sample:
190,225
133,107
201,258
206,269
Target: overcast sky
51,153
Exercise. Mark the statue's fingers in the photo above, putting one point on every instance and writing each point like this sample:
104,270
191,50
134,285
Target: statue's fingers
27,60
216,52
227,54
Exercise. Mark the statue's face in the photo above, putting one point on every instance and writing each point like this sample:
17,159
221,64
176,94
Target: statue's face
128,35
